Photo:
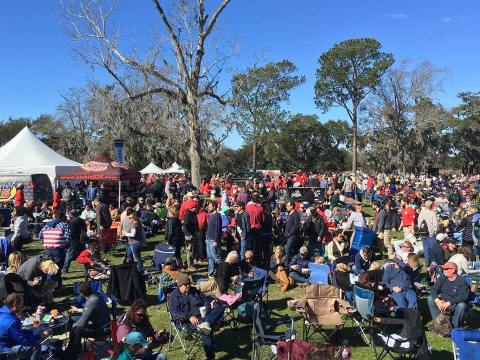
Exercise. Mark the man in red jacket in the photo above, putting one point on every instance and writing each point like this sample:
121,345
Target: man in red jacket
257,217
19,196
187,204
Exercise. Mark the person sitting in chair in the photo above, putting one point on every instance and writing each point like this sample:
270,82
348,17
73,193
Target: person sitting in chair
247,264
228,273
185,303
136,320
363,260
16,342
95,268
399,284
94,321
299,271
450,292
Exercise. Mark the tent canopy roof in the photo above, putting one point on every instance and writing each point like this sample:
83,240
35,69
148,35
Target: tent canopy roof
175,169
102,168
152,169
26,153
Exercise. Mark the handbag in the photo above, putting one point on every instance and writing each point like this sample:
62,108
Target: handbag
442,324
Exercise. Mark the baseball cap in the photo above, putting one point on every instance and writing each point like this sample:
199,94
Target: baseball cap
183,279
449,265
135,338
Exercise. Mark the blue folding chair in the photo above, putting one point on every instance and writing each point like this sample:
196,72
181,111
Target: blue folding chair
466,344
259,273
363,300
362,237
319,273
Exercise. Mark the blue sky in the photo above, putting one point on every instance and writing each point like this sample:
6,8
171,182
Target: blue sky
37,62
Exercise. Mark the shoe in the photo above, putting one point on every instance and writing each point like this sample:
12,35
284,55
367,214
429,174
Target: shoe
204,328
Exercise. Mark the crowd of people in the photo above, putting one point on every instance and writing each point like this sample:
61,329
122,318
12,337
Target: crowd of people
234,228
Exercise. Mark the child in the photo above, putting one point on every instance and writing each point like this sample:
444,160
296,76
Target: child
128,348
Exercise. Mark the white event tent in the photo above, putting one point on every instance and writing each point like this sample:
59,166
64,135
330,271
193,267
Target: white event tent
175,169
152,169
26,154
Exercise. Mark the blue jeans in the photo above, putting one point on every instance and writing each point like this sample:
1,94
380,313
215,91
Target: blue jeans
405,299
299,279
213,256
134,255
427,244
72,252
149,355
291,242
458,311
25,352
244,246
58,257
212,318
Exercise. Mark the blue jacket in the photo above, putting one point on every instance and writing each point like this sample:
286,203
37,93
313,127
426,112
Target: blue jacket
301,262
393,277
361,265
214,227
182,306
11,332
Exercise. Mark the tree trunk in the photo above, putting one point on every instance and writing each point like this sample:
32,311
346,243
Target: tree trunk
254,155
194,150
354,139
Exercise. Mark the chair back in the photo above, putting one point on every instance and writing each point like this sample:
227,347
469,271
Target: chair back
257,321
363,299
319,273
251,288
162,252
466,343
362,237
261,273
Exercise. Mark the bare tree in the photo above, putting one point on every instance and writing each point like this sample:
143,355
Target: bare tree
179,71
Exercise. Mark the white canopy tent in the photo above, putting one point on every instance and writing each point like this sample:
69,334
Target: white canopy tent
27,154
152,169
175,169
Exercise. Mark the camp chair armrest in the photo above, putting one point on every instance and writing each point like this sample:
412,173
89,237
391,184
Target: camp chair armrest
283,321
387,321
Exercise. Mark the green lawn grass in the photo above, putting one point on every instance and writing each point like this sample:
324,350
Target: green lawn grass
236,343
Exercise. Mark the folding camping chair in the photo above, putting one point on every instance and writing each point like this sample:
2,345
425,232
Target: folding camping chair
322,306
251,292
361,237
177,333
261,273
262,337
465,344
319,273
407,343
363,300
161,253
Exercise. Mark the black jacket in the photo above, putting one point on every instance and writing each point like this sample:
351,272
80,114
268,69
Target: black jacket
292,225
190,223
104,219
77,229
224,274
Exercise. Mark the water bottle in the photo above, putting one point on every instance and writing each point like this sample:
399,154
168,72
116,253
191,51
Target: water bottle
344,353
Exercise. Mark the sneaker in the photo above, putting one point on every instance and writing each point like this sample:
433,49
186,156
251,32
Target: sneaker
204,328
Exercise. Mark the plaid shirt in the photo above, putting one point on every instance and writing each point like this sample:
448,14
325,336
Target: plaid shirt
165,280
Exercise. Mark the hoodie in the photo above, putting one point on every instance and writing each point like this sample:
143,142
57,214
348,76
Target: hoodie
11,332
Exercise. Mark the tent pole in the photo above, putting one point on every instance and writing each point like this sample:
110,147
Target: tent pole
119,192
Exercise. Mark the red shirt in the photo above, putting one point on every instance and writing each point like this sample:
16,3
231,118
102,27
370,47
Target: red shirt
408,216
187,204
257,216
19,198
202,217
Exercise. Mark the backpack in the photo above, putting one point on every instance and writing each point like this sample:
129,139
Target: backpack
476,228
423,229
442,325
